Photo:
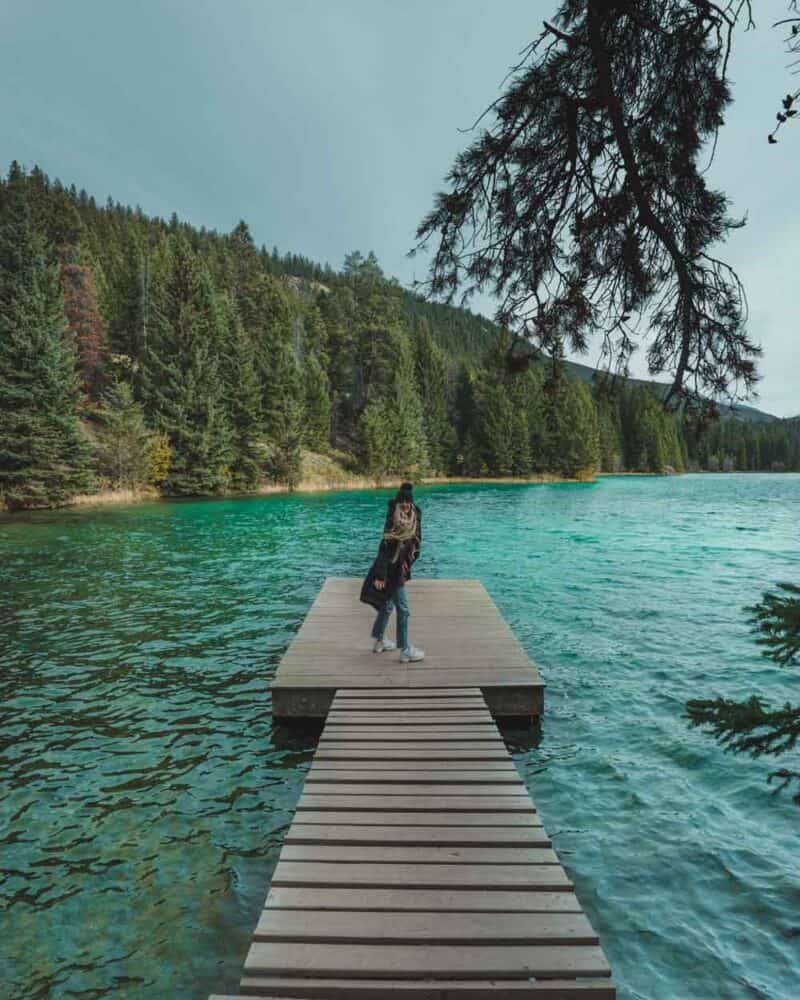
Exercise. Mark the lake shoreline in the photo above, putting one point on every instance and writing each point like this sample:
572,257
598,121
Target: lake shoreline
128,496
149,494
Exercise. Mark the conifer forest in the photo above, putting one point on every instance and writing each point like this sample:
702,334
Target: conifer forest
137,351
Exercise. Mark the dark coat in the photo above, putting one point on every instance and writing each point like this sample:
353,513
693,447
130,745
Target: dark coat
397,572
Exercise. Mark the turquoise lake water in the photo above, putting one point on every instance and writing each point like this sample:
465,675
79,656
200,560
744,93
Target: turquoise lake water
144,792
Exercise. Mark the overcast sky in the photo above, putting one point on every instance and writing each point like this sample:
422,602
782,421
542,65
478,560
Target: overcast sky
329,124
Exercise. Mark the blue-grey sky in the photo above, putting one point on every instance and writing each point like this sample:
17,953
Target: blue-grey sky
329,124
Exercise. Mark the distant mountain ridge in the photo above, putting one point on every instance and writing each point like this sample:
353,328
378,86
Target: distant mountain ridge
463,335
739,411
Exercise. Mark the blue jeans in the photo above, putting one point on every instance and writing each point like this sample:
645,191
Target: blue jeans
396,598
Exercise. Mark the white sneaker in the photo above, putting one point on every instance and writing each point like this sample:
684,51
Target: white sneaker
381,645
411,654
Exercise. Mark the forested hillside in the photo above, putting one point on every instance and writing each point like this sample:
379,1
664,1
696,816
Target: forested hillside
136,350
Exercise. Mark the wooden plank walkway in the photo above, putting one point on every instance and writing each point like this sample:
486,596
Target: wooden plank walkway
467,643
417,866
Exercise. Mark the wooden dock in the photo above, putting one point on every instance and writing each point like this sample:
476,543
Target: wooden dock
417,865
467,644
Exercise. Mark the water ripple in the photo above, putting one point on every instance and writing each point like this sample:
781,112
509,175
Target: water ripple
145,791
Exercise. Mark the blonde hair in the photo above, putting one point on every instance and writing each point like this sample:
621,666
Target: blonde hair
404,528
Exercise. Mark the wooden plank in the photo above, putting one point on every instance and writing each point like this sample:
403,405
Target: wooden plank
418,803
442,743
390,757
371,762
429,735
379,699
405,676
394,835
422,714
419,928
435,961
412,696
440,658
504,776
309,988
413,854
334,789
409,734
529,818
339,632
420,876
398,704
444,718
328,678
442,671
340,899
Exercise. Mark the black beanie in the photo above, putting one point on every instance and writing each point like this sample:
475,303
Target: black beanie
404,493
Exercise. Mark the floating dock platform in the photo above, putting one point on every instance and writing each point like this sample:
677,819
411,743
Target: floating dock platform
467,643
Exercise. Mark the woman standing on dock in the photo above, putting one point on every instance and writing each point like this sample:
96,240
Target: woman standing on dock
400,547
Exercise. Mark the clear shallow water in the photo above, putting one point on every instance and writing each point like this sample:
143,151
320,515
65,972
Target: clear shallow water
144,792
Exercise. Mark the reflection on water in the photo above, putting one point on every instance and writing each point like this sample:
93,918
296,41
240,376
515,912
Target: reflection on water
144,791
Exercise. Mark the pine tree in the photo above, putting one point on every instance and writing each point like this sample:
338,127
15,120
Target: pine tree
44,457
338,311
408,441
375,440
464,416
582,203
182,381
554,389
284,418
537,428
242,398
316,424
86,324
392,425
518,388
490,443
750,726
576,447
431,376
127,306
123,448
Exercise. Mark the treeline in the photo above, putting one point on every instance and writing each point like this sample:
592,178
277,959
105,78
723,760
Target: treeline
743,446
136,350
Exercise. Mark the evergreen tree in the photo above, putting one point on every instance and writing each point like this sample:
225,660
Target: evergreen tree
464,415
86,324
431,376
127,306
750,726
537,420
338,312
606,393
489,444
376,440
284,418
182,381
392,424
554,389
576,444
316,425
406,418
582,204
242,398
123,448
44,457
518,389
